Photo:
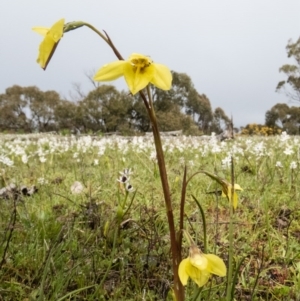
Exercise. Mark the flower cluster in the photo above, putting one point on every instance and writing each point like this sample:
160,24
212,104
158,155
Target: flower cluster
124,179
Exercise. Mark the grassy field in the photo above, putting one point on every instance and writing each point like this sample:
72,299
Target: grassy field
83,235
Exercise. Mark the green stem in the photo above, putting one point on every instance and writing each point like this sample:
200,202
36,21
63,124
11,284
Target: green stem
203,224
181,213
178,288
229,288
230,258
105,37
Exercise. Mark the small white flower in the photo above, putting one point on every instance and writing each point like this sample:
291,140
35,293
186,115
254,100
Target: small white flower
191,163
288,151
153,156
24,159
43,159
6,161
42,181
123,179
126,172
226,162
77,187
293,165
96,162
129,187
284,136
278,164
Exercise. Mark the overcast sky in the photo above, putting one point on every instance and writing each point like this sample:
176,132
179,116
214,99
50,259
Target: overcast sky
231,49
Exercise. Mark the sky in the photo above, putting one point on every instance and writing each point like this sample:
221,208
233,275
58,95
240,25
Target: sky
231,49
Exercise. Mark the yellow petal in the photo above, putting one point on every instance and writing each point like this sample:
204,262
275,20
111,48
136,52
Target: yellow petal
162,78
45,51
237,187
198,276
137,79
57,29
111,71
41,30
49,44
235,200
183,276
215,265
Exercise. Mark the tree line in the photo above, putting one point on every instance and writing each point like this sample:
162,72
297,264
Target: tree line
105,109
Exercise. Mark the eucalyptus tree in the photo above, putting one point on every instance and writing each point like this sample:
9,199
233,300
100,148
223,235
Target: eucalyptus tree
13,106
42,105
291,86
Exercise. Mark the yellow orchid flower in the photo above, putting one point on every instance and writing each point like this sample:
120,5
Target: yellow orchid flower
226,188
139,71
199,267
227,192
52,37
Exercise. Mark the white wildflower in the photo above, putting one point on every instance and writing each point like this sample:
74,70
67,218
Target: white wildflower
288,151
6,161
77,187
24,159
293,165
226,162
153,156
129,187
42,181
43,159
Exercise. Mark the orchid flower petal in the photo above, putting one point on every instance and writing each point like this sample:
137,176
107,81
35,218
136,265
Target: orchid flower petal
162,78
215,265
111,71
51,38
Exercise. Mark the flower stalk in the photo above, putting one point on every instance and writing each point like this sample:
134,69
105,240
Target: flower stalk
230,284
176,256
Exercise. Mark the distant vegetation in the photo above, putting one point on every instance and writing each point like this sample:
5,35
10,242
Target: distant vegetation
105,109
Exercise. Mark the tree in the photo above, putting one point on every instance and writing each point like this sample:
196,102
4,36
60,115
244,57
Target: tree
182,98
13,107
277,116
42,106
116,112
198,106
220,121
105,109
181,89
139,119
283,117
67,116
291,86
292,124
